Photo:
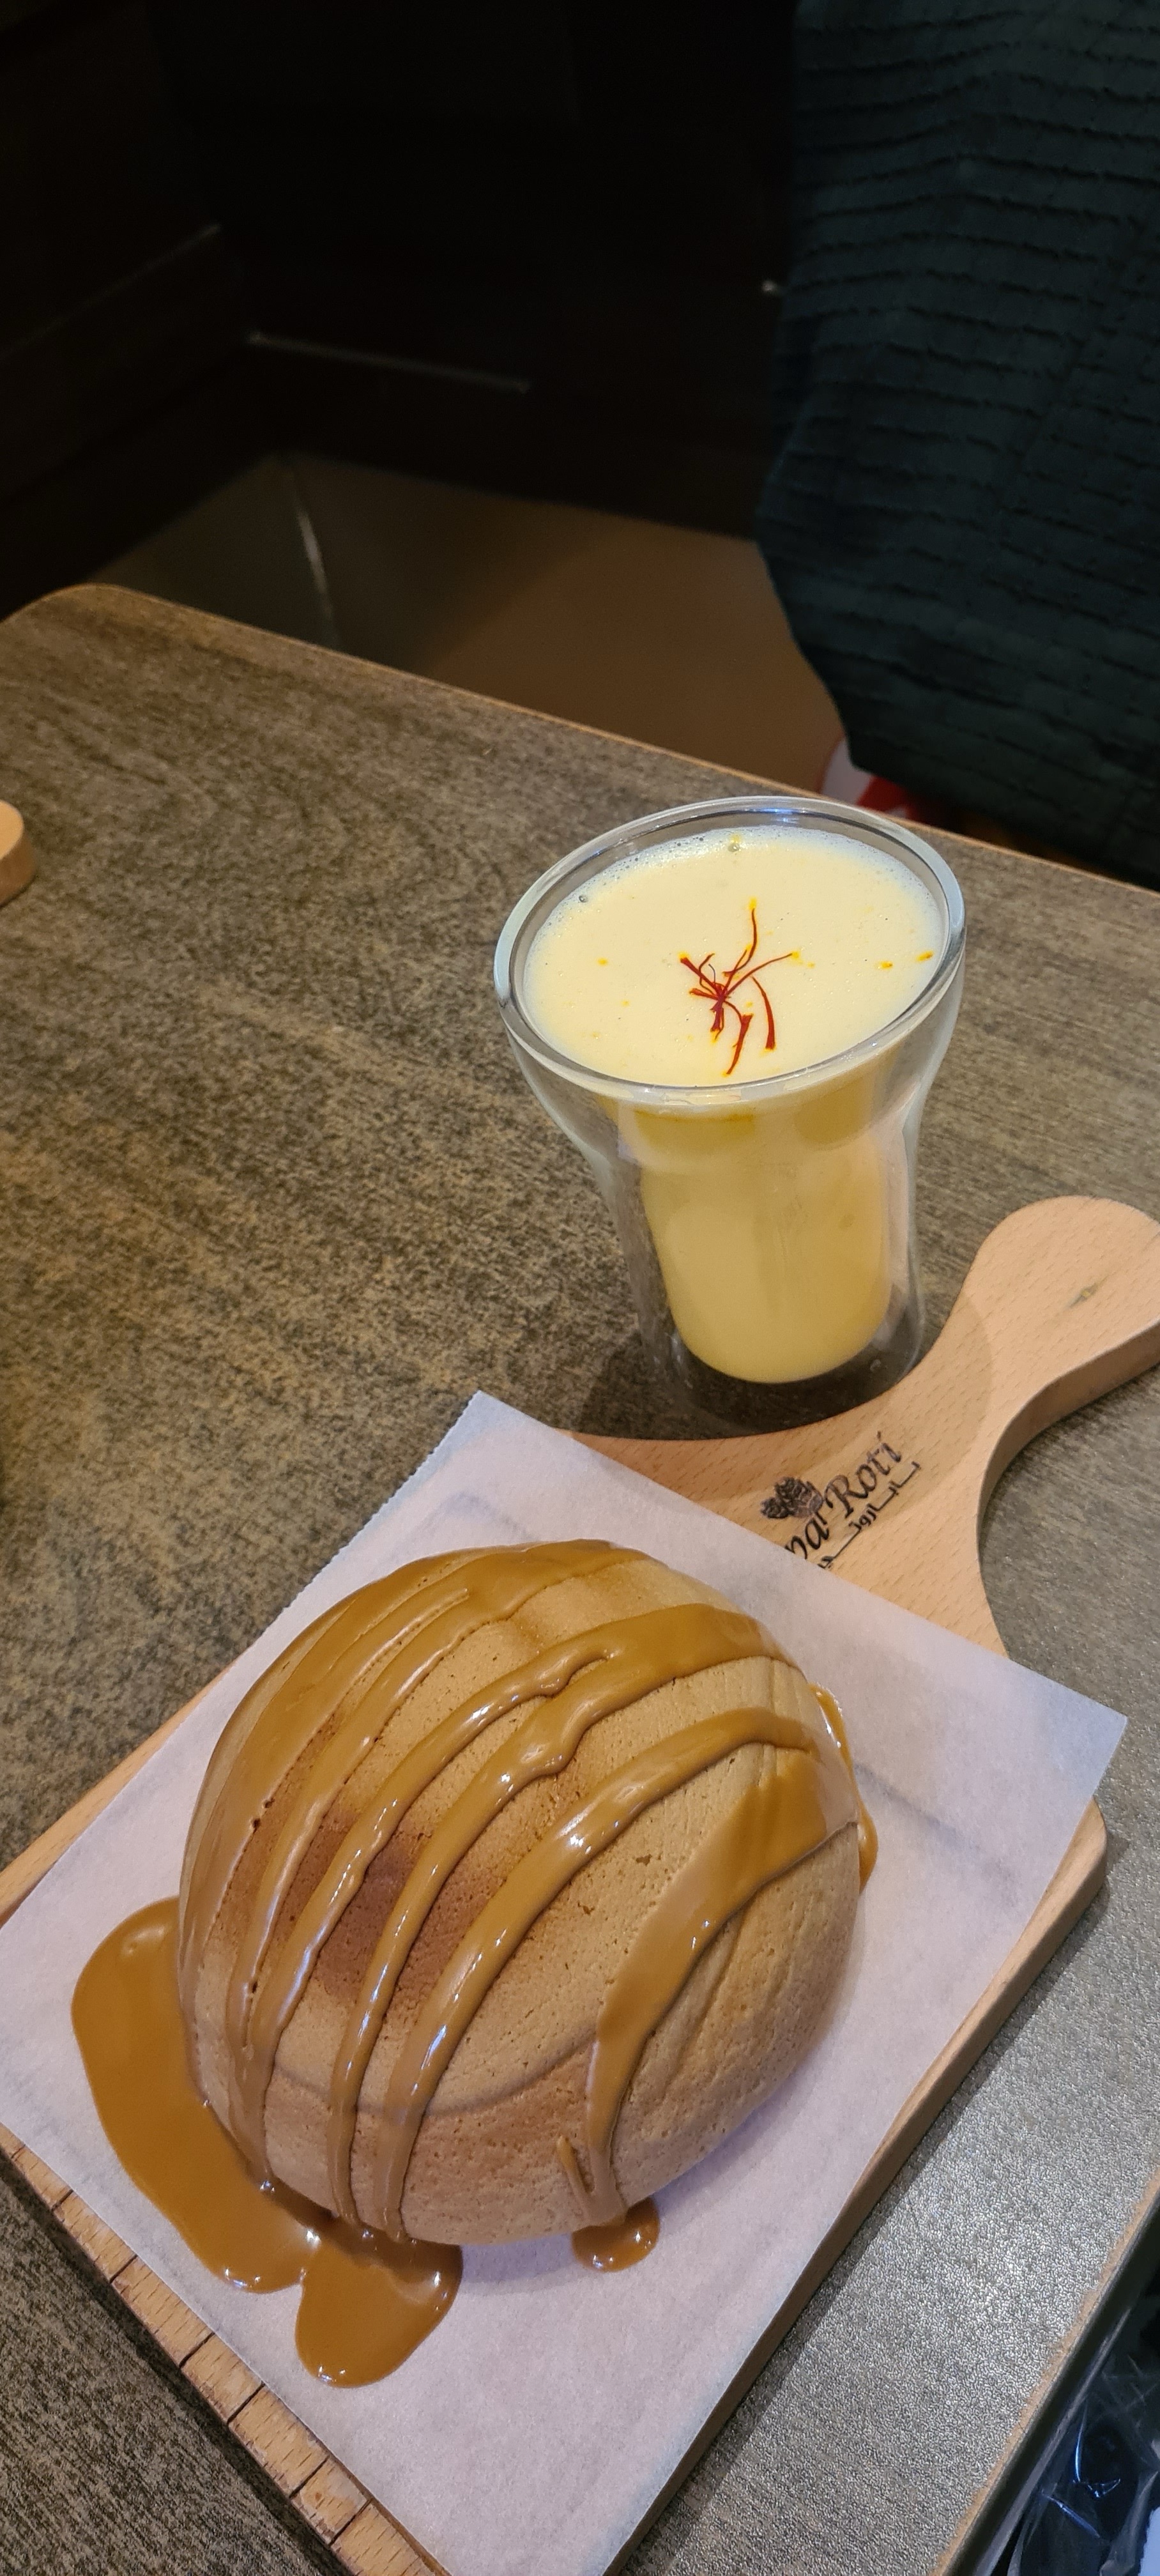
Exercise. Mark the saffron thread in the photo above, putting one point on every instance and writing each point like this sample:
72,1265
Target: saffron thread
719,990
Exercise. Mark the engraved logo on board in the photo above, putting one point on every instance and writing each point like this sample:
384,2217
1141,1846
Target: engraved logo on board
793,1499
835,1514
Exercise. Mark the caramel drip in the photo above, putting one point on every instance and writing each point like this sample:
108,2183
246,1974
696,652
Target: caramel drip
365,2303
867,1829
796,1805
620,1662
454,1999
129,2030
622,2242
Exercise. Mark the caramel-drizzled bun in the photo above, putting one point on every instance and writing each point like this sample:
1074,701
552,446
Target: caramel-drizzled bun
513,1884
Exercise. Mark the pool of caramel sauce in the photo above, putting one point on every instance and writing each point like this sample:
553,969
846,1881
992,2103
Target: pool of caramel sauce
367,2299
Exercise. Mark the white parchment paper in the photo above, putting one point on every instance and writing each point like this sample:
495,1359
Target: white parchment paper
534,2429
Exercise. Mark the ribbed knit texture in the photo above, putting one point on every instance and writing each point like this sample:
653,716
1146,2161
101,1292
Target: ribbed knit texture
963,516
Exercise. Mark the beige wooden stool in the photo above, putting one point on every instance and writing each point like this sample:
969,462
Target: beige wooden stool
17,864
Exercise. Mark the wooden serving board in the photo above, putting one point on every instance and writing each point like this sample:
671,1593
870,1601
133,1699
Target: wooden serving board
1061,1304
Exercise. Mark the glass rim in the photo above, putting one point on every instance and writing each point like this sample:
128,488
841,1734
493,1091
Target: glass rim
693,1096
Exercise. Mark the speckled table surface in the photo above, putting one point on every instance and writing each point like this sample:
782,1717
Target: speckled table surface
274,1201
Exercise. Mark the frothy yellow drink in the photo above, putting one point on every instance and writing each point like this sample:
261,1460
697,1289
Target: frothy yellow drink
714,966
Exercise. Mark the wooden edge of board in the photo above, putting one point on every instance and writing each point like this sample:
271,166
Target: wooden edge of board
361,2535
364,2539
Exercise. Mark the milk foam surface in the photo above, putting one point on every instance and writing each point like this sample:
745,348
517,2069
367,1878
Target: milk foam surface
854,935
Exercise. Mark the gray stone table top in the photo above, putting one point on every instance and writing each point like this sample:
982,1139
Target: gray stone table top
273,1201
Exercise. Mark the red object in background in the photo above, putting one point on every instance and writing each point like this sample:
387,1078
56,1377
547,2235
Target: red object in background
850,785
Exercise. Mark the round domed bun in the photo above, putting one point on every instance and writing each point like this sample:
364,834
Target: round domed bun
515,1883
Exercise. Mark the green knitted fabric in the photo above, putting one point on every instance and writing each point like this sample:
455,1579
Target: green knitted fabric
963,515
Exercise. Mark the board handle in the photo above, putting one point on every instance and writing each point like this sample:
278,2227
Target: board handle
1061,1303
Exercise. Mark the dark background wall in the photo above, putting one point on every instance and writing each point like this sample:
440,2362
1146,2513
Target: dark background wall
535,248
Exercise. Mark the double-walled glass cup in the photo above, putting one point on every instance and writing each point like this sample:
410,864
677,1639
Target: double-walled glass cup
769,1230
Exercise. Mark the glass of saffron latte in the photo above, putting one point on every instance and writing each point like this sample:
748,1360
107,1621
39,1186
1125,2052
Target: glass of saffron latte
736,1009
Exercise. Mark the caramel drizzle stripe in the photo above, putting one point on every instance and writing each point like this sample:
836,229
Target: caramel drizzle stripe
867,1829
456,1996
267,1734
290,1968
245,1717
623,1660
375,1678
778,1821
289,1971
496,1587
